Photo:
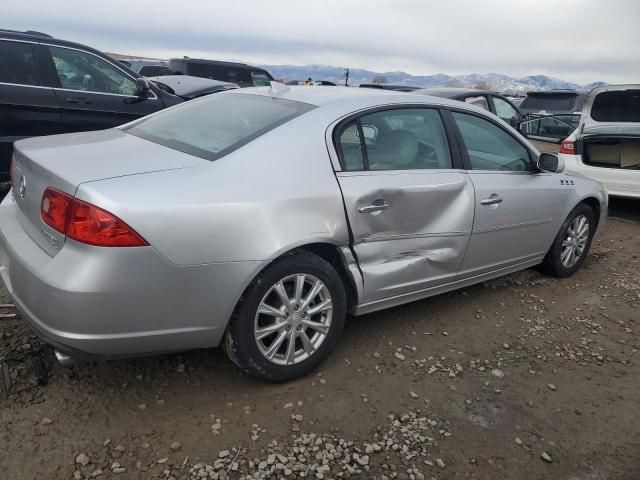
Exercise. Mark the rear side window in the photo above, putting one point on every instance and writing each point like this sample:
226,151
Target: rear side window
621,106
215,125
402,139
489,147
17,64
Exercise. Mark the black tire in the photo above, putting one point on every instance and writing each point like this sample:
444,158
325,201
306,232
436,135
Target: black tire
240,342
552,263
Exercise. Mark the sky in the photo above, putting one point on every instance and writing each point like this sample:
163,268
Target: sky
581,41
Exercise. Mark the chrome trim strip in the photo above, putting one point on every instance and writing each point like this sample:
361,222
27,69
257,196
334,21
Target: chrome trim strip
512,226
104,93
24,85
409,236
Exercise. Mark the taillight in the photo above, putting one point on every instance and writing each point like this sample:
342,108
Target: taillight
568,146
86,223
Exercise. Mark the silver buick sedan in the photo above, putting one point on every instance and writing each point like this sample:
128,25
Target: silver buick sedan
259,218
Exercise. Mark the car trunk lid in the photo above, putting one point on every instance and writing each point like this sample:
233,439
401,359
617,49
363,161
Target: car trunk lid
63,162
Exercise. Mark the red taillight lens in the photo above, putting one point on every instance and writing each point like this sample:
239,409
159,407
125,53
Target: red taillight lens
568,146
54,209
95,226
86,223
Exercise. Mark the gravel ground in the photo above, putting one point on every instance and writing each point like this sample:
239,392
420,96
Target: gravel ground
525,377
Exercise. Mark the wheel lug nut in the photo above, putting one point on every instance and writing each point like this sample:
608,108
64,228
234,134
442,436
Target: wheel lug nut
299,327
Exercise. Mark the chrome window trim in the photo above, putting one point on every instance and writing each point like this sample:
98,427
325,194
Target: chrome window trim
25,85
155,97
32,42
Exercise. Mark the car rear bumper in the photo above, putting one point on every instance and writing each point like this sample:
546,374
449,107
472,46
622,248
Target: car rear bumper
115,302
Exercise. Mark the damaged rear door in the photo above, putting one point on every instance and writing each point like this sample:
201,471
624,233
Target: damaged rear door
410,210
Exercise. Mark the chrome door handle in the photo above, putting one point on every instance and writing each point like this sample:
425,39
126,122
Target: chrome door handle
377,206
492,200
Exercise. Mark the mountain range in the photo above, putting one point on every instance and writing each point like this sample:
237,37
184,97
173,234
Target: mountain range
490,81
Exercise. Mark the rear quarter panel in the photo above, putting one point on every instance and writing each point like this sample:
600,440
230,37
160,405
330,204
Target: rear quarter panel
274,194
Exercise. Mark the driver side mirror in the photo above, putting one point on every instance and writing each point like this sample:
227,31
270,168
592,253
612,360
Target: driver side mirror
142,87
550,163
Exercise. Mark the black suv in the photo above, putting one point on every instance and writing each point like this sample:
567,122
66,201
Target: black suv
50,86
239,73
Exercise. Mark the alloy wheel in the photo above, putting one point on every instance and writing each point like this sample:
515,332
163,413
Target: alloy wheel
293,319
575,241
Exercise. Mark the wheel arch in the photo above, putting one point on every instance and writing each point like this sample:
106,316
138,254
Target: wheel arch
331,253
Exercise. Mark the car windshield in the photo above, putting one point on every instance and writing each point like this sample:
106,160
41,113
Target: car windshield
550,103
216,125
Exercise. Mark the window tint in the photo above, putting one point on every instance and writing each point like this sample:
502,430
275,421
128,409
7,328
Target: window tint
16,63
504,110
478,102
490,147
617,106
82,71
215,125
351,148
548,127
405,139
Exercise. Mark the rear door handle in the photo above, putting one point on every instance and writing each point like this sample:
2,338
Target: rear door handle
492,200
377,206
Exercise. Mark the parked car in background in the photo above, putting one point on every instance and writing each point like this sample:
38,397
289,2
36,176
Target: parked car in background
325,83
272,212
551,115
387,86
188,87
50,86
495,103
606,144
149,68
239,73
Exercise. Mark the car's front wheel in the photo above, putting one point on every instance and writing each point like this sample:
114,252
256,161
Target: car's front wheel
572,243
289,319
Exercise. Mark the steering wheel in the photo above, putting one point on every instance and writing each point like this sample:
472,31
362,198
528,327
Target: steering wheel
519,165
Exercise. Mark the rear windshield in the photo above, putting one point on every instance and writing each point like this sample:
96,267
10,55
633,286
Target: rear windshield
551,103
620,106
215,125
154,70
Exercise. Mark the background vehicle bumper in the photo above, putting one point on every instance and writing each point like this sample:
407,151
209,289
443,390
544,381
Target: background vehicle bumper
113,302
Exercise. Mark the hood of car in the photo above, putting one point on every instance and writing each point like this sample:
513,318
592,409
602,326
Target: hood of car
612,110
189,87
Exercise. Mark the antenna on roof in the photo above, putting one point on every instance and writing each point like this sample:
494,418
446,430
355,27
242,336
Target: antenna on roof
277,88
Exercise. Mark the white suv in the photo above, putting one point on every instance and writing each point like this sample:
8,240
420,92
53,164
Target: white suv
606,144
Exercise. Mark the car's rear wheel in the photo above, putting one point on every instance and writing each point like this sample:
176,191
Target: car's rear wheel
289,319
572,243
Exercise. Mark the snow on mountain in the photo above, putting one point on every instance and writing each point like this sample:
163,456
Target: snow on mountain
492,81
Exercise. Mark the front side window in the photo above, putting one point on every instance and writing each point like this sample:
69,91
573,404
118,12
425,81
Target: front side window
86,72
16,63
215,125
402,139
489,146
505,110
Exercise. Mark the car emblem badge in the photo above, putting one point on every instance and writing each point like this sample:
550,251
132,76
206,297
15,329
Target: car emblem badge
22,188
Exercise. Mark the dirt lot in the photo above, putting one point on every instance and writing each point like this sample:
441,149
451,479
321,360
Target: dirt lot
481,383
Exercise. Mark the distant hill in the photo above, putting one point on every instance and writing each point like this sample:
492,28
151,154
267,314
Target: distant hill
492,81
488,81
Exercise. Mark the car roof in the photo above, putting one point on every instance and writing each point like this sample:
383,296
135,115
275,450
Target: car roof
453,92
350,98
38,37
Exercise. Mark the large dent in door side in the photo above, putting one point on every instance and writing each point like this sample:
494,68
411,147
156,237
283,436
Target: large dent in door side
420,240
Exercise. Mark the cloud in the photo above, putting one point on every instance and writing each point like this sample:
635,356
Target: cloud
577,40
